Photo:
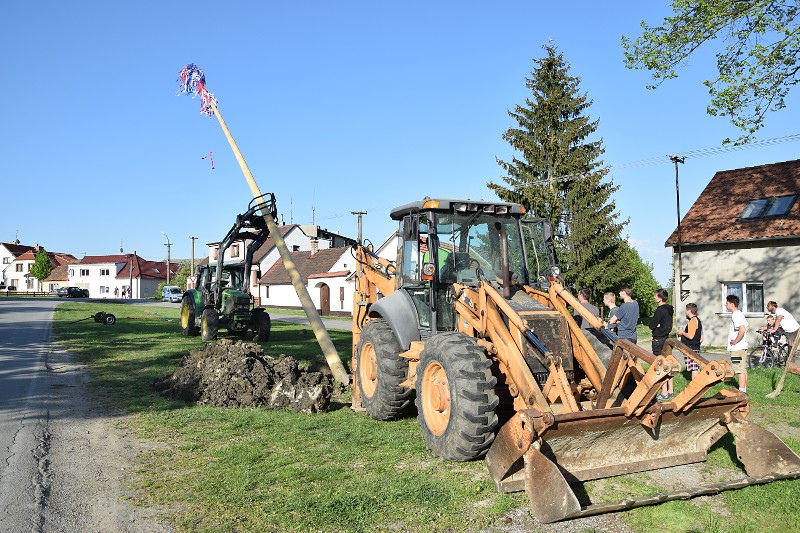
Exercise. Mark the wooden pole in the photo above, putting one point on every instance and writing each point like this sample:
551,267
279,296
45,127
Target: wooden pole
331,355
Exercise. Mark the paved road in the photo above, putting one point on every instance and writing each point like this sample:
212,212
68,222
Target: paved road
25,409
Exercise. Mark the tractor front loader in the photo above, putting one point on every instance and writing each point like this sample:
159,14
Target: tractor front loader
472,323
221,296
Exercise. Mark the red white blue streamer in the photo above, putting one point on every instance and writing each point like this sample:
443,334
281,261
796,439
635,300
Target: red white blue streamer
193,82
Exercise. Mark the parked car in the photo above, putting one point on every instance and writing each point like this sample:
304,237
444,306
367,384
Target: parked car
75,292
171,293
60,292
7,288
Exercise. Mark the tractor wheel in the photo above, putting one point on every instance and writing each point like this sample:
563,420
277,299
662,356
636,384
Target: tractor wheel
380,370
188,325
456,401
209,324
110,319
262,325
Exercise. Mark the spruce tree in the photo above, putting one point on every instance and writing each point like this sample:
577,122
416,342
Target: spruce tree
558,175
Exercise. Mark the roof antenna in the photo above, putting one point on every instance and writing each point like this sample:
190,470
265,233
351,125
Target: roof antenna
16,238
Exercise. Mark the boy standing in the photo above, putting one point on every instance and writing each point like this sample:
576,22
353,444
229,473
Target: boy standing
627,315
611,302
737,340
661,325
691,337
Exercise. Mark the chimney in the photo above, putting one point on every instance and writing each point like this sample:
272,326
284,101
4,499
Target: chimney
314,246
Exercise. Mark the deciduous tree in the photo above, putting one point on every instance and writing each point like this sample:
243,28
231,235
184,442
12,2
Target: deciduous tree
42,268
757,61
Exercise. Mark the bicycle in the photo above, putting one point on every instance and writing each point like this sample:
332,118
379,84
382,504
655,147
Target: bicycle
771,353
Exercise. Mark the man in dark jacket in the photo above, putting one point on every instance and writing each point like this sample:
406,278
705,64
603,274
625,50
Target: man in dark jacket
661,325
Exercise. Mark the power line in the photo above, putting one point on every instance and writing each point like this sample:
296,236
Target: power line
690,154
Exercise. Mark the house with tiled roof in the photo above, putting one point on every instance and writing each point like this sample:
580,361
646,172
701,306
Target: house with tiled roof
107,275
18,260
298,238
742,237
326,275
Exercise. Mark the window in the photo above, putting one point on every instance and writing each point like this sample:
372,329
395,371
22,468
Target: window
775,206
266,291
235,250
105,272
295,247
6,260
30,266
19,267
104,290
751,296
84,272
71,272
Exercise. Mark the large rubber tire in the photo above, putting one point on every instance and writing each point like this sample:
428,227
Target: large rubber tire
262,325
456,401
110,319
188,317
380,370
209,324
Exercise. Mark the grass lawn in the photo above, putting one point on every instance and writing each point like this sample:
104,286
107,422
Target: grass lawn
216,469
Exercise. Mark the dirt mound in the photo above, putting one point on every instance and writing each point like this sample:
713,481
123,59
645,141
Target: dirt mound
225,373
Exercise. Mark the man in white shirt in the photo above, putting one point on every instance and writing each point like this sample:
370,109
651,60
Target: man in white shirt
783,319
737,340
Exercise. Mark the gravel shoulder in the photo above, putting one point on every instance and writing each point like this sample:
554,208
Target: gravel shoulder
86,458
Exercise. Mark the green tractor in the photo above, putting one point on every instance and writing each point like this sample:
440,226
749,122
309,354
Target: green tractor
221,297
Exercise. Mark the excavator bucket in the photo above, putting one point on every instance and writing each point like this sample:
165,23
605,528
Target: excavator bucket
544,453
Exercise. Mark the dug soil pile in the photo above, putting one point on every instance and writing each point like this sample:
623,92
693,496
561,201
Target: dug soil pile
229,373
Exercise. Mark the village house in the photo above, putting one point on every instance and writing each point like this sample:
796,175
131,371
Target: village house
17,262
298,238
742,237
326,275
102,274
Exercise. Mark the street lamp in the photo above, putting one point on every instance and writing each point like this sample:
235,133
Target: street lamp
168,245
681,278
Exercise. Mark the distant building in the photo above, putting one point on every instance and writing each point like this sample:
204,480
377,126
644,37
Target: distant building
18,260
102,274
742,237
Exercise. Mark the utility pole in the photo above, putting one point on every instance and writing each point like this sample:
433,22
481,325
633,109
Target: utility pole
359,214
168,245
191,273
130,276
681,278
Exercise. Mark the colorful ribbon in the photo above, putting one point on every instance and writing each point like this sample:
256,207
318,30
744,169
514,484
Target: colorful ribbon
193,81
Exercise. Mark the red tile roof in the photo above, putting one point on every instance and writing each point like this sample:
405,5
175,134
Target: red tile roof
60,273
308,265
16,249
56,258
715,216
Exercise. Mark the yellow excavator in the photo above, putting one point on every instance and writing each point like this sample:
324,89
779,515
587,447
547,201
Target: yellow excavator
471,322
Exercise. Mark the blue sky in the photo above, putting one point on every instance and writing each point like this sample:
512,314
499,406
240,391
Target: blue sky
336,106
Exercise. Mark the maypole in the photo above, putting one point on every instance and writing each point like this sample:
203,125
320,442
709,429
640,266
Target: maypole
193,81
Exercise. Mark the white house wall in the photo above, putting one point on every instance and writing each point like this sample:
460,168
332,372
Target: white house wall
286,296
776,267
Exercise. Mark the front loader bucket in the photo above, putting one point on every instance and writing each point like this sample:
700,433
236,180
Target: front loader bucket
544,453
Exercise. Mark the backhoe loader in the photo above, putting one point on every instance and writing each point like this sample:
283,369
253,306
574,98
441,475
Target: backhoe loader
471,322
